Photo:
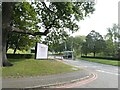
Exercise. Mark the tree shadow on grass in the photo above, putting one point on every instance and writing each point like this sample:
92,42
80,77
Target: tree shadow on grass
16,60
19,60
51,60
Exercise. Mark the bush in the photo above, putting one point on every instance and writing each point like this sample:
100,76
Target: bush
19,56
108,58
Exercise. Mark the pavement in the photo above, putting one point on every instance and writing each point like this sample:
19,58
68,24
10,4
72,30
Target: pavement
107,76
46,81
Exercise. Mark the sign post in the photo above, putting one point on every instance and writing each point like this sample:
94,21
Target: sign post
41,51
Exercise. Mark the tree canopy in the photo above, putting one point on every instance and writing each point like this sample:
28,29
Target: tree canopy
112,40
38,18
107,47
94,43
31,17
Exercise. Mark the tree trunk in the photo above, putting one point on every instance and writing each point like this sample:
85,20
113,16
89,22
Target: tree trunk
94,54
6,20
6,47
15,50
94,51
5,62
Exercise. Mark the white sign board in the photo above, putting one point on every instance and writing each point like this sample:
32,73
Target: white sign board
42,51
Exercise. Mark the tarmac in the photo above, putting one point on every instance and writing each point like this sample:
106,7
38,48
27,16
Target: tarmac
46,81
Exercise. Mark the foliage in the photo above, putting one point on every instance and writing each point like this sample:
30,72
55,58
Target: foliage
38,18
10,51
84,48
26,20
67,14
68,44
55,40
20,56
113,33
112,41
77,44
110,48
24,17
20,42
29,17
99,57
94,43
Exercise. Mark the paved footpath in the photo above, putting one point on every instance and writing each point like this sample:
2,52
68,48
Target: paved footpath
45,81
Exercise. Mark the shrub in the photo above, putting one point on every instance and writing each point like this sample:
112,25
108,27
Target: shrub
18,56
108,58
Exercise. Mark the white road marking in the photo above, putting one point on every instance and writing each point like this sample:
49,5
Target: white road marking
107,72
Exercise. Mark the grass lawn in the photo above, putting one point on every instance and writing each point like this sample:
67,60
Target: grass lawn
103,61
31,67
18,51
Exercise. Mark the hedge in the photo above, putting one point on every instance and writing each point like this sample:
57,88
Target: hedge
18,56
107,58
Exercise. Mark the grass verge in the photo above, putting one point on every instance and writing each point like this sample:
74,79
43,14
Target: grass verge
103,61
31,67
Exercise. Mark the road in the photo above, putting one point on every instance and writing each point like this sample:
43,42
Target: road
107,75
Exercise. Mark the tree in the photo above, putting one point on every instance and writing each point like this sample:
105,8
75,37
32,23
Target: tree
94,43
69,43
113,40
84,48
110,48
58,43
30,18
9,25
18,41
23,18
113,33
77,44
55,40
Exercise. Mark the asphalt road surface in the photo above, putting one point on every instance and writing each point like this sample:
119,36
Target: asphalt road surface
106,75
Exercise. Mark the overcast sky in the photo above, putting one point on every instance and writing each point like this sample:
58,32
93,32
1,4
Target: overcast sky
105,15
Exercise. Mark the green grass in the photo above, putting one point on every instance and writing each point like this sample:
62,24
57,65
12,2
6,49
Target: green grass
18,51
103,61
31,67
